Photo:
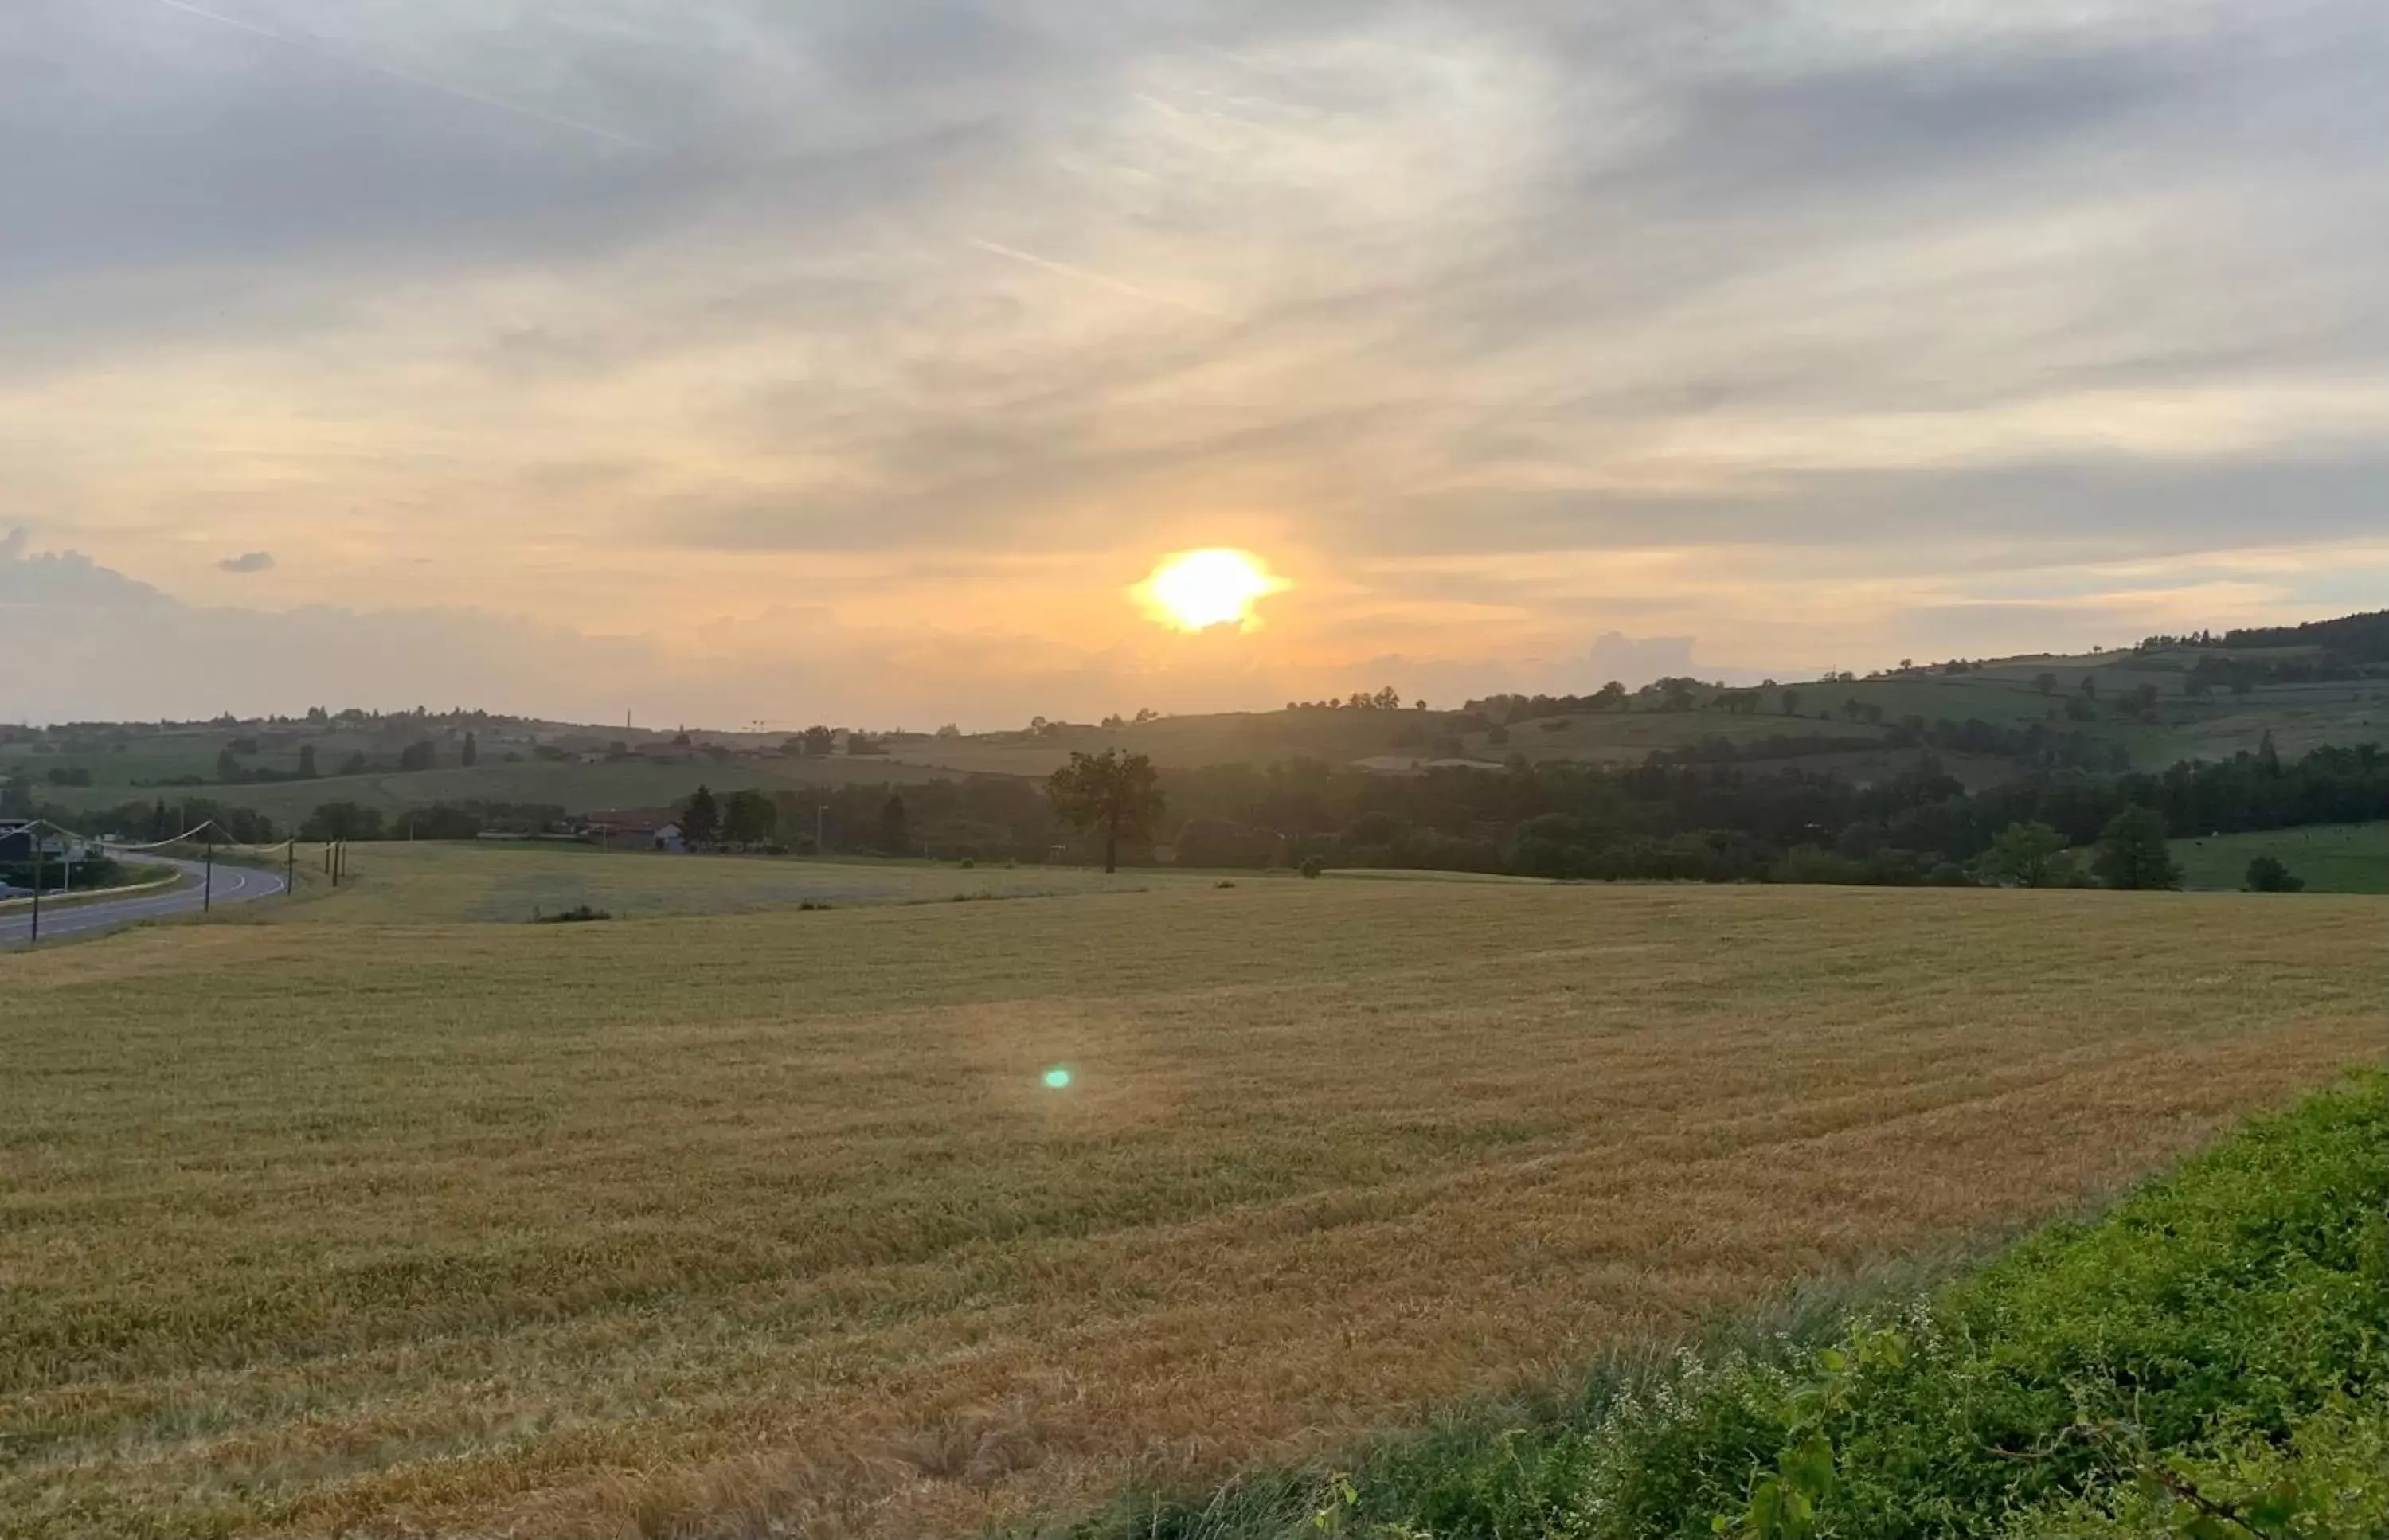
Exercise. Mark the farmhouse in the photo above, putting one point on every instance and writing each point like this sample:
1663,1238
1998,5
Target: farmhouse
633,829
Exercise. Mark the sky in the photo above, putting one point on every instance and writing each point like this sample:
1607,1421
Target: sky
737,361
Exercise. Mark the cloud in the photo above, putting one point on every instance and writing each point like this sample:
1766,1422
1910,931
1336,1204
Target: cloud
248,561
1469,308
1635,662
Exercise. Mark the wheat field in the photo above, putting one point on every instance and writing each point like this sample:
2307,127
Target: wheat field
773,1223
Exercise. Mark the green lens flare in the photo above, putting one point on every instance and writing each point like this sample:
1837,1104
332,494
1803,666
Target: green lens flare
1057,1078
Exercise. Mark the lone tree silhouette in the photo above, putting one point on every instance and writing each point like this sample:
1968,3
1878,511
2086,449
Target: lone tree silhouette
1120,793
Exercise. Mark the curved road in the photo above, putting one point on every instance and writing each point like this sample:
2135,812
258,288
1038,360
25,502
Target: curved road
234,885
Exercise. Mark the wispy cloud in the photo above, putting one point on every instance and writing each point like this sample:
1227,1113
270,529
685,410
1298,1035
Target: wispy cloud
389,71
1821,333
1087,275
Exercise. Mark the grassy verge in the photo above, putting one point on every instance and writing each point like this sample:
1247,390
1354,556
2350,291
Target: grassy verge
2210,1360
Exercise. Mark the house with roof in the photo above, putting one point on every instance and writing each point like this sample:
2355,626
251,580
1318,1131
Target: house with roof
633,829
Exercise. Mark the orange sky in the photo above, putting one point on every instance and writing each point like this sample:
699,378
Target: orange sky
861,362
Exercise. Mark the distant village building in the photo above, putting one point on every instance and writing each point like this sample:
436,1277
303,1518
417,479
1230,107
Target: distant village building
633,829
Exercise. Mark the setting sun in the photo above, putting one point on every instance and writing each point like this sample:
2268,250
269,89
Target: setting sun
1197,589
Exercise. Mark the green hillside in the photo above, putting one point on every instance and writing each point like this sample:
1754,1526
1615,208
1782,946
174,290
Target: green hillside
2340,857
2141,709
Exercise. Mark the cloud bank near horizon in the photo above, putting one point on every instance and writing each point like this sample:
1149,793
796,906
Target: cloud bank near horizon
819,353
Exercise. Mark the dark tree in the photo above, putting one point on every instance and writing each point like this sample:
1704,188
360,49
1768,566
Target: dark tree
1791,703
2133,854
2045,683
472,753
341,820
307,762
895,828
750,818
227,765
1117,794
700,821
2090,687
421,755
2266,874
355,764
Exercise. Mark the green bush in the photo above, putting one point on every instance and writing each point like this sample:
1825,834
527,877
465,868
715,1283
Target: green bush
583,915
2266,874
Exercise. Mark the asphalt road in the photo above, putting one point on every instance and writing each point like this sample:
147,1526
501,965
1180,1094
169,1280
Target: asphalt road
234,884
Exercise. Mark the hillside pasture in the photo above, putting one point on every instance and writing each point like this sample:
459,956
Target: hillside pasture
1631,737
718,1225
2338,857
575,787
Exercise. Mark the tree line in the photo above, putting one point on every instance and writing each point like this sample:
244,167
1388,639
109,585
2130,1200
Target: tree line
1730,821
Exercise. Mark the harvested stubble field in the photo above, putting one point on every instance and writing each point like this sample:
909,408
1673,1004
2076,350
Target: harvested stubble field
768,1223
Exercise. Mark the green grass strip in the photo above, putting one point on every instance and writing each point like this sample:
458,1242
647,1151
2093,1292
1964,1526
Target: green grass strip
2210,1358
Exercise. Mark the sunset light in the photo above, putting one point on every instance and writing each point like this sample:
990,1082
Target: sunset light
1197,589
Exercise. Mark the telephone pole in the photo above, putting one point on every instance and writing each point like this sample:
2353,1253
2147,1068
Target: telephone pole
208,893
33,934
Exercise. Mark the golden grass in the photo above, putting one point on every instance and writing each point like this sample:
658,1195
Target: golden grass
431,882
706,1227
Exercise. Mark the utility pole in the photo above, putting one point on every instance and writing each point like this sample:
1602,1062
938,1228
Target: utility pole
820,831
291,867
34,934
208,893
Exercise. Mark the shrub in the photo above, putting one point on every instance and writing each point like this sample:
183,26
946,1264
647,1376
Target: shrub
1312,866
580,915
2266,874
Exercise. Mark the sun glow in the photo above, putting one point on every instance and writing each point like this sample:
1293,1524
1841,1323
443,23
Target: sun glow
1197,589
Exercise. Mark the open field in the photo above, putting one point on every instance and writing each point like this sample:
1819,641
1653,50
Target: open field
697,1226
2340,857
432,883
